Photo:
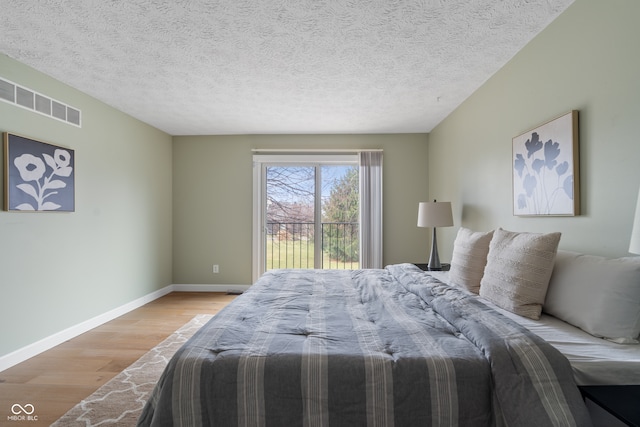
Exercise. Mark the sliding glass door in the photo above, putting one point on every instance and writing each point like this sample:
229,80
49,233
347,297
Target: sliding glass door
307,212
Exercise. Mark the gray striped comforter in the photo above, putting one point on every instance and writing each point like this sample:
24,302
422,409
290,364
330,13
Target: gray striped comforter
392,347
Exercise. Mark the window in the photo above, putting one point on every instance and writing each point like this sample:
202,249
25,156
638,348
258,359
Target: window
307,212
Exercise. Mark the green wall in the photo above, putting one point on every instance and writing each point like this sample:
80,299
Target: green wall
212,214
587,60
60,269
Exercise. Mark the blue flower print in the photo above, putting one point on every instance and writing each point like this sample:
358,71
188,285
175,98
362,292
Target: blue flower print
519,164
533,145
567,186
551,152
522,201
536,189
530,184
33,169
562,168
537,165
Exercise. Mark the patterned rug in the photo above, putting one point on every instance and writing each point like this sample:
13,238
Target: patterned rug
120,401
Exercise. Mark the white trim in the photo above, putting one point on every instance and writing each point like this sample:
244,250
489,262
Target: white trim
210,288
304,159
27,352
51,341
312,150
258,221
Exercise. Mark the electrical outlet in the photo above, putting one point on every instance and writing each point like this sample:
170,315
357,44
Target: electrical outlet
216,268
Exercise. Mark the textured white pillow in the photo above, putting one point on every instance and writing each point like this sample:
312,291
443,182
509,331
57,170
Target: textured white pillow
469,258
598,295
518,269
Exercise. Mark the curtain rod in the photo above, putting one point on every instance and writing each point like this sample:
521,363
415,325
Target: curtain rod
311,150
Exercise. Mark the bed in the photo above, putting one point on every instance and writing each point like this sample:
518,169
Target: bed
394,346
504,338
593,360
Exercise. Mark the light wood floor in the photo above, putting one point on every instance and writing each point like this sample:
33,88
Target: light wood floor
56,380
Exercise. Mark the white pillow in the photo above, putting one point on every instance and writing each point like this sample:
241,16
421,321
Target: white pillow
598,295
469,258
518,269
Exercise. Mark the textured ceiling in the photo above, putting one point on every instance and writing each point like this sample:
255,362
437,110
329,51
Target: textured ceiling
274,66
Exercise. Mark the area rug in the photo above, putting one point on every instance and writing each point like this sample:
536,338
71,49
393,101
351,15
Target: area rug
120,401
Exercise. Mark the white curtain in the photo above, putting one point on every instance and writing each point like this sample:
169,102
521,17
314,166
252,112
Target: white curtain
371,209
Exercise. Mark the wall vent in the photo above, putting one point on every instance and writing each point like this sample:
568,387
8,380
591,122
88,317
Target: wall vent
38,103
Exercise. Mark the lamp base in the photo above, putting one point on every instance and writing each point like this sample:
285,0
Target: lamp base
425,267
434,259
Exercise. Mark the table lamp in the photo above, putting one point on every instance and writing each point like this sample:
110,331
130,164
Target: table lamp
435,214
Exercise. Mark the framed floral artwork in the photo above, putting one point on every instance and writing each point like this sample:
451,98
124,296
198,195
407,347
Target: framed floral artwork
38,176
546,169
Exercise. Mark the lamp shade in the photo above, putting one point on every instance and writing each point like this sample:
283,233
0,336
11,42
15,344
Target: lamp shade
634,244
436,214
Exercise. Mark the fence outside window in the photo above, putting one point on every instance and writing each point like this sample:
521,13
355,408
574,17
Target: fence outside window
292,245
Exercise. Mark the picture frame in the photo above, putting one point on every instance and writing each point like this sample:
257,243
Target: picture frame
38,176
545,169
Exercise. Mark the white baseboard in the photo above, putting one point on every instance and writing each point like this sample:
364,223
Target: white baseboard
210,288
51,341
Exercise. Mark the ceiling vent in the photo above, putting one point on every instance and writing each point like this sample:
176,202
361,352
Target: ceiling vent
31,100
